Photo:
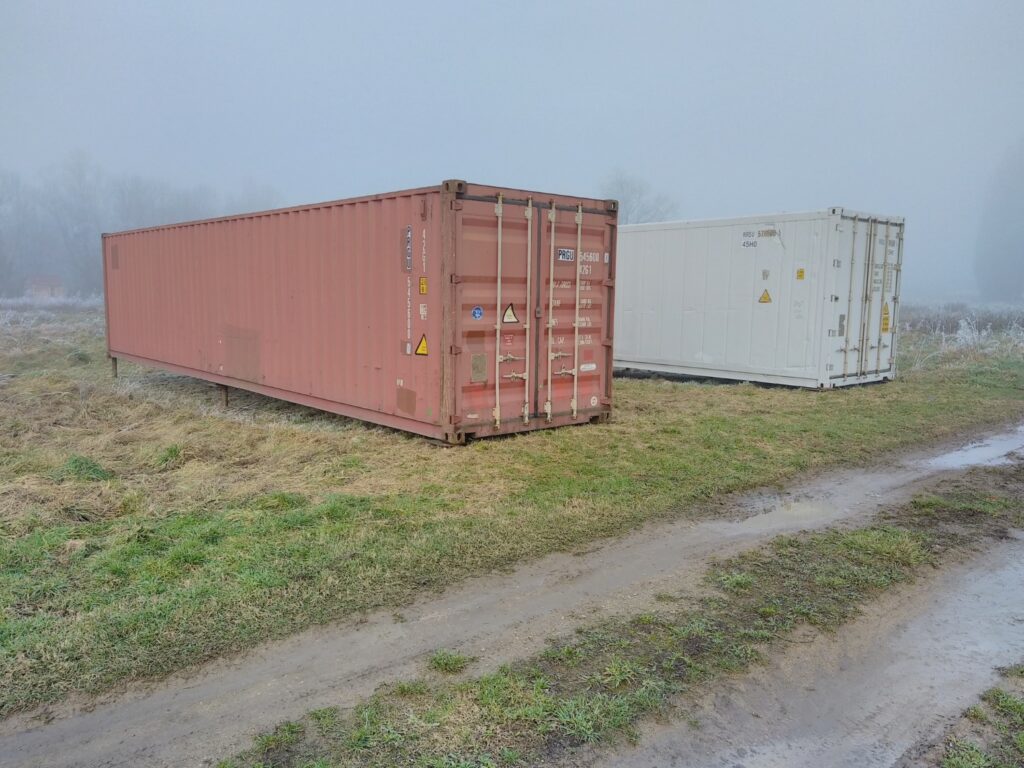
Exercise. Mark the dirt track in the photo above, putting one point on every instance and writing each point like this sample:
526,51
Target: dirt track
195,718
861,698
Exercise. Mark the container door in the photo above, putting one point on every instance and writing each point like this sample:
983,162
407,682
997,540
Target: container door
495,328
574,313
849,299
884,291
527,348
867,289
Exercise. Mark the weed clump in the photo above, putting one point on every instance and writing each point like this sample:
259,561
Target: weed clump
169,457
448,662
82,468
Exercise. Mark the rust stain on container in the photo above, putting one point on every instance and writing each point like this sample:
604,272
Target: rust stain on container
390,308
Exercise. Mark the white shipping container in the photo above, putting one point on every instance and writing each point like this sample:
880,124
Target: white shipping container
804,299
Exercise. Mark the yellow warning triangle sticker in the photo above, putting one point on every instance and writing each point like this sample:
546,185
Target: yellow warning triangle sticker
421,348
886,318
510,315
766,298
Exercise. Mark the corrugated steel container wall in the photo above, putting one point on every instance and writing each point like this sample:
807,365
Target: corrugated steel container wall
386,308
804,299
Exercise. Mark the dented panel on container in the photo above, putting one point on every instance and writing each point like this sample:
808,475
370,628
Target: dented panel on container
802,299
370,307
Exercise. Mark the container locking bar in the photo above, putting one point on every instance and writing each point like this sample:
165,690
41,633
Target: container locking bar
896,298
497,324
551,308
528,213
576,309
866,302
881,302
849,301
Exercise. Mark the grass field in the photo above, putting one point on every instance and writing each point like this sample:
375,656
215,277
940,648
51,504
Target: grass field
144,528
597,684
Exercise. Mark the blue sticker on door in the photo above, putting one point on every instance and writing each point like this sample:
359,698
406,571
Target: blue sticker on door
478,312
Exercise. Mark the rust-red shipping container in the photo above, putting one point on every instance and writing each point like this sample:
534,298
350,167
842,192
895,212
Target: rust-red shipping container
451,311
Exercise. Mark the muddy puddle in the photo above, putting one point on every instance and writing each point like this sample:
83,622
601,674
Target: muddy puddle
197,717
864,696
992,451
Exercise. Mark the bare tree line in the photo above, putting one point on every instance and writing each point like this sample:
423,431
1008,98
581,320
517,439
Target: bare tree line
638,201
50,228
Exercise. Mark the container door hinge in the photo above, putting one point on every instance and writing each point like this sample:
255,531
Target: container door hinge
608,283
837,263
456,279
833,298
606,342
454,350
456,205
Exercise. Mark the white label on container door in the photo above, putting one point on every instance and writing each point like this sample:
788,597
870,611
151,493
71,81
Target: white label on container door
566,254
588,367
876,278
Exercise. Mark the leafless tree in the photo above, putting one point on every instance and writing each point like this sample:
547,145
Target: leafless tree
53,227
638,202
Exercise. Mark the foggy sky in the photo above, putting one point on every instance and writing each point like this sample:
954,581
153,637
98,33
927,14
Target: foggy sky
729,108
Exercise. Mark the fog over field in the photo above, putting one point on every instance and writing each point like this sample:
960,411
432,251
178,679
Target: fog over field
121,114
